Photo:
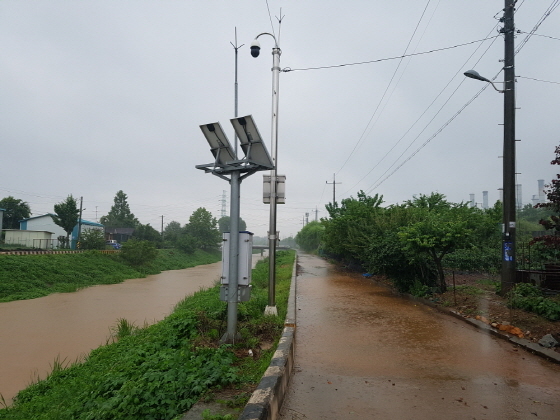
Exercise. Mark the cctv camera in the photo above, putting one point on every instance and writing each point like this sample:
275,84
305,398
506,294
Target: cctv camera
255,48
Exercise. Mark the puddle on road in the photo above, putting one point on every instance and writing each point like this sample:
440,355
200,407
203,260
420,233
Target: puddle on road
33,333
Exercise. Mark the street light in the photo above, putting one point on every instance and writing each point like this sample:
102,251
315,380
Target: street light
473,74
276,52
509,202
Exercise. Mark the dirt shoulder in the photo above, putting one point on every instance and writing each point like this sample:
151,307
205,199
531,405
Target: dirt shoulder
474,297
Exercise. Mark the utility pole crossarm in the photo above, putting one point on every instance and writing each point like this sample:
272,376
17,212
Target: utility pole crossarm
333,188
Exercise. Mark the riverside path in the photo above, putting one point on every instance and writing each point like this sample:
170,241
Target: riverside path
364,353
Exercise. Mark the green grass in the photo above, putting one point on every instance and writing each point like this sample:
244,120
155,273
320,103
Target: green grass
470,290
160,371
33,276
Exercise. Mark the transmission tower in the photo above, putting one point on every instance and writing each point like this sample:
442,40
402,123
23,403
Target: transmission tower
224,202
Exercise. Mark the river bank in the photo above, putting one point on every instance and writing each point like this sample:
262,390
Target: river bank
32,276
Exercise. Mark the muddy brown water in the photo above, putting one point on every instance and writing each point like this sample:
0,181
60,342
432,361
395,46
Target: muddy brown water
364,353
67,326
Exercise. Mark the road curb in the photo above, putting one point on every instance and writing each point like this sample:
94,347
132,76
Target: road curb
266,401
528,345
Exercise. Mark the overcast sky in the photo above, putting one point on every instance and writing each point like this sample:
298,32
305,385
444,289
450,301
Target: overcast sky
101,96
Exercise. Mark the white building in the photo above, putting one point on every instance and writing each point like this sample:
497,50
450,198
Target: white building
45,223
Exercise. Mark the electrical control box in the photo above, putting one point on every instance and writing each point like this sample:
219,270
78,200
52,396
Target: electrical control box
280,189
245,261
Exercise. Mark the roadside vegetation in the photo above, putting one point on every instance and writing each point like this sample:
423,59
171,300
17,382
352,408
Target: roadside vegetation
417,244
160,371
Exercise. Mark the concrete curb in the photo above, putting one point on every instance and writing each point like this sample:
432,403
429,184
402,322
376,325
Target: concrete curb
266,401
534,348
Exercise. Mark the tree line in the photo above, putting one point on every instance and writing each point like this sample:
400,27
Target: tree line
203,231
414,242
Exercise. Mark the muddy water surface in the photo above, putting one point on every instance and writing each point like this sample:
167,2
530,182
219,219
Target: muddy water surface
33,333
363,353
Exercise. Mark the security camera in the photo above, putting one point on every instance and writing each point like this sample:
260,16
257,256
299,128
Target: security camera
255,48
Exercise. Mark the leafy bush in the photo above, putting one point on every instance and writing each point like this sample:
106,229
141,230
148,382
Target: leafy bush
186,243
474,259
309,238
529,298
92,239
138,253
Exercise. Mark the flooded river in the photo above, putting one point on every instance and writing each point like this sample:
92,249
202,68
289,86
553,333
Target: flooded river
67,326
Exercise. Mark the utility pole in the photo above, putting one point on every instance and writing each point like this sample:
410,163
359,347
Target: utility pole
162,227
316,213
333,188
80,221
508,240
307,218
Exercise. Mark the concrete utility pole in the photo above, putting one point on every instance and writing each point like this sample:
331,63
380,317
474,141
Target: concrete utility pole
507,195
333,187
80,221
508,241
162,227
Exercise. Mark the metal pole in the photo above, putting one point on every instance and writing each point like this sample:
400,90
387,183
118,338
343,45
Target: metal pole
508,240
230,335
80,222
271,308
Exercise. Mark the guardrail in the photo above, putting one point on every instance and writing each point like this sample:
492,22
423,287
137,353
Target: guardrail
48,252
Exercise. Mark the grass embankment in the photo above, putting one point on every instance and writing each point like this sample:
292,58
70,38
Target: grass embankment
160,371
33,276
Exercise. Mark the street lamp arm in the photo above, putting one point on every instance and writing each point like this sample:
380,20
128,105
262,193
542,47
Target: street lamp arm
268,33
473,74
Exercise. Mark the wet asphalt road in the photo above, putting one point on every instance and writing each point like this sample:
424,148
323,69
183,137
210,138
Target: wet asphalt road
363,353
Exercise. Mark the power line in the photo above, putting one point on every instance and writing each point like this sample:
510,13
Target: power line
546,14
543,36
460,70
538,80
288,69
385,92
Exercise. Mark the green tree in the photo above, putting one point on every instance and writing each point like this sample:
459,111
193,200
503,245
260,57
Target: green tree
14,211
224,221
147,233
92,239
66,215
350,228
202,227
441,228
551,222
120,215
186,243
138,253
309,237
172,231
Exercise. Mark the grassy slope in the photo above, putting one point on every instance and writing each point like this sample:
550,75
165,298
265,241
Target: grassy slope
160,371
32,276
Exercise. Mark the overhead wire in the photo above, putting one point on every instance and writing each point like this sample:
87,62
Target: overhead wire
461,68
289,69
538,80
545,15
363,135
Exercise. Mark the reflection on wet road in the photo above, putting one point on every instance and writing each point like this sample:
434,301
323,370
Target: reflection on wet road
363,353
